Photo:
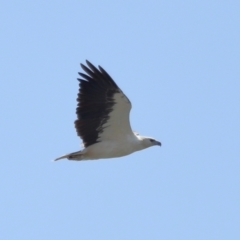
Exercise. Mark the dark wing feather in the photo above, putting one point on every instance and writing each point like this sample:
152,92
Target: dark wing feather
95,102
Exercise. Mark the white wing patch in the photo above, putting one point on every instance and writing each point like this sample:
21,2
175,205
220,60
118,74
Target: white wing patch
118,125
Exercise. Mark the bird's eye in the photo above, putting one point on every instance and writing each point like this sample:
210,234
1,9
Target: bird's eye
151,140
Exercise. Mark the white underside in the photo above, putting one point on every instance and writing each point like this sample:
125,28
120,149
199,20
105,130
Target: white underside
108,149
112,149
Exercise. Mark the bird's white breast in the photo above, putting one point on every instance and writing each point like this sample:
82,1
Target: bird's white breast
111,149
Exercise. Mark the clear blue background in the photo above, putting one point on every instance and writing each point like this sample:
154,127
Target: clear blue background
178,62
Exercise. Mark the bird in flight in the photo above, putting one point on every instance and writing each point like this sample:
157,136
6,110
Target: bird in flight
103,119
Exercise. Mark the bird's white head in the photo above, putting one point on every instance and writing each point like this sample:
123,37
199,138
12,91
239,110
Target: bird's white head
149,142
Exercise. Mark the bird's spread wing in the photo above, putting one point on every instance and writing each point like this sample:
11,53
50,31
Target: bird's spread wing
103,109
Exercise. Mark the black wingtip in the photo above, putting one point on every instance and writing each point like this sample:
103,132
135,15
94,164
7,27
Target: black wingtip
83,66
88,62
99,73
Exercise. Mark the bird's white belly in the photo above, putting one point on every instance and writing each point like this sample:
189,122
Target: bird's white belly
108,149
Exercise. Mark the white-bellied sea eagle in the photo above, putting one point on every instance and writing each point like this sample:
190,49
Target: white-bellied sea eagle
103,119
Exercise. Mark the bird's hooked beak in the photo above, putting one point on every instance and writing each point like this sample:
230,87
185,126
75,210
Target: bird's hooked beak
158,143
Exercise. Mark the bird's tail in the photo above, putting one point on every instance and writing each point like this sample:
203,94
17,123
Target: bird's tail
72,156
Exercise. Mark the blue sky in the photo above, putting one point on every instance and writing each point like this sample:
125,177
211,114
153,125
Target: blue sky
178,62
